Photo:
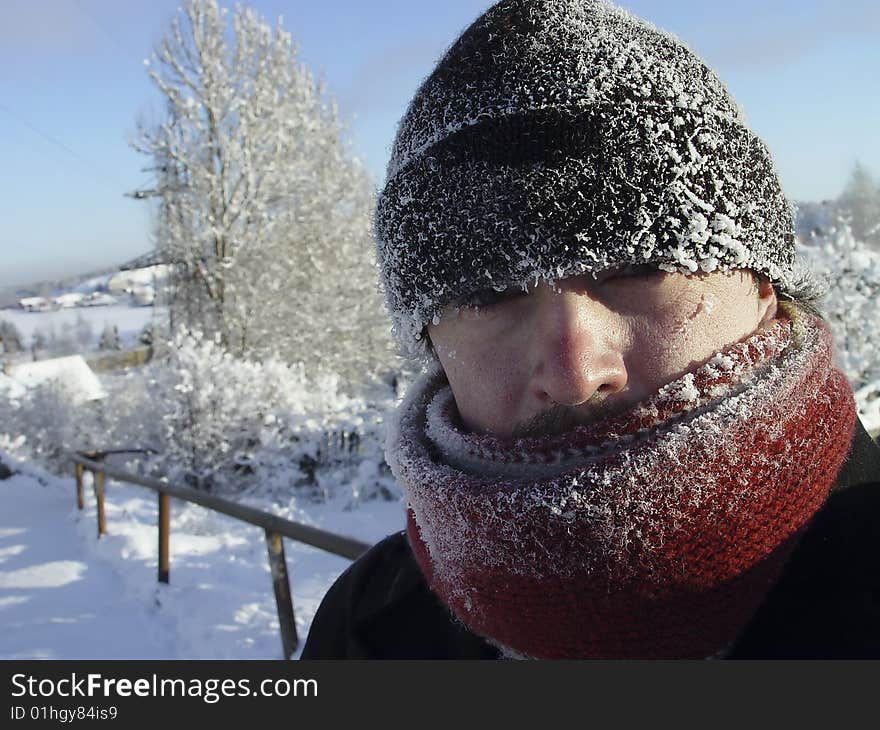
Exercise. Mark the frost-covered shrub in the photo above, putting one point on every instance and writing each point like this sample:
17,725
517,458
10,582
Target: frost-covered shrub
233,423
47,424
851,272
131,415
220,423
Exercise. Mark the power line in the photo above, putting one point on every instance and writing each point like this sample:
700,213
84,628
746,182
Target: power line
100,26
114,185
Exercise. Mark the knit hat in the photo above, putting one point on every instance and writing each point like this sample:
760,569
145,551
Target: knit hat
561,137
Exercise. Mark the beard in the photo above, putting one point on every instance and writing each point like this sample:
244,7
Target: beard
559,419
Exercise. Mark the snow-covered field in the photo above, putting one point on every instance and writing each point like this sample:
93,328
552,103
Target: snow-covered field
65,594
129,320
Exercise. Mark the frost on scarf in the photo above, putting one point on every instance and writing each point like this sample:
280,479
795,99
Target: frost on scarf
564,137
685,495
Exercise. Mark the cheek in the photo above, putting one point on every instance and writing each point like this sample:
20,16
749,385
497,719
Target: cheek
685,334
488,379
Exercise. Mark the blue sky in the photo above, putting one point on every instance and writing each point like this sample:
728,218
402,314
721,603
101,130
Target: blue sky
72,85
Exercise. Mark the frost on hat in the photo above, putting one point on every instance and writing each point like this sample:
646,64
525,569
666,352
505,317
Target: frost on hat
560,137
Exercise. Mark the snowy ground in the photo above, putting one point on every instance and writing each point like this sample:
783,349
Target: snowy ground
129,320
65,594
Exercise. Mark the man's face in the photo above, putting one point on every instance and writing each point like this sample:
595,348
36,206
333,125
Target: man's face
524,363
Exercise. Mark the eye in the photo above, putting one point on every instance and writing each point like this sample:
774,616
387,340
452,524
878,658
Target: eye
488,298
631,272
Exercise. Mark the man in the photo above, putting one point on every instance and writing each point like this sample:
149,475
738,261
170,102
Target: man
631,440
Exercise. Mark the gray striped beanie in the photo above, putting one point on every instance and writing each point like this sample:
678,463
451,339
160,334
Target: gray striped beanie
560,137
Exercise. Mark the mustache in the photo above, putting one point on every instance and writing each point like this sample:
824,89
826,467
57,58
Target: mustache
560,419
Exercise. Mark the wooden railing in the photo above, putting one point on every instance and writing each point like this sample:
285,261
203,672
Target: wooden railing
274,527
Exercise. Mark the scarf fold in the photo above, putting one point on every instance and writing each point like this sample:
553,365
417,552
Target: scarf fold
653,534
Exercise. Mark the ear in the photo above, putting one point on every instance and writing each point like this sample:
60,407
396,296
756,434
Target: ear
767,302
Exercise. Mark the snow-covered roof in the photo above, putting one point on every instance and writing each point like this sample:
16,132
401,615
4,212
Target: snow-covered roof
99,298
71,298
151,258
10,388
72,372
125,280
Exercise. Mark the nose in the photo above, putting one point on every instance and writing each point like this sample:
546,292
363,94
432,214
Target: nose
576,348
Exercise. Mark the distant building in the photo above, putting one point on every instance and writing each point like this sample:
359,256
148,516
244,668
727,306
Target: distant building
35,304
98,299
69,300
143,296
131,279
149,259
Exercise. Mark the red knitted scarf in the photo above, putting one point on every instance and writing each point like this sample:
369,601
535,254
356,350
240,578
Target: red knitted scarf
653,535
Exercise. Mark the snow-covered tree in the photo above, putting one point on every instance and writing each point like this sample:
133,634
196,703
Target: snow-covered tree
814,220
263,211
63,340
110,338
147,334
85,337
39,342
10,337
851,271
860,205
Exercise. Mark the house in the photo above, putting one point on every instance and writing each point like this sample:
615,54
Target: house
69,300
35,304
143,296
72,373
98,299
126,282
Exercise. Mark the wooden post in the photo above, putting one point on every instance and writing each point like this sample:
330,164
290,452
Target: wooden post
99,496
283,599
164,530
78,469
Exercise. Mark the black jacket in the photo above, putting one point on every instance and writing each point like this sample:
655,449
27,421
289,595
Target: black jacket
826,604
